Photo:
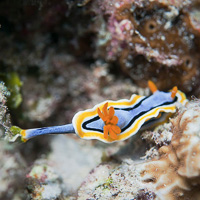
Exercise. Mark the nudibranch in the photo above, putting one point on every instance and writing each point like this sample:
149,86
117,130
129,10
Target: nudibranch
112,121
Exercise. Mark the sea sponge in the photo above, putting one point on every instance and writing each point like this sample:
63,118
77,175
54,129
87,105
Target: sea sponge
175,175
186,141
149,39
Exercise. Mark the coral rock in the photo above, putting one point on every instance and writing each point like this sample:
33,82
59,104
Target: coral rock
150,39
44,183
175,175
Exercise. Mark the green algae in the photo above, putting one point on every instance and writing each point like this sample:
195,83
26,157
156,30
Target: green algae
14,85
15,130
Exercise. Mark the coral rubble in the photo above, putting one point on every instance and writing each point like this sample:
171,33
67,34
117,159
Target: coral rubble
44,183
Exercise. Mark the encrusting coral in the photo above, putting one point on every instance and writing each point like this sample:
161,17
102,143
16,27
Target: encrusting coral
4,115
175,175
139,36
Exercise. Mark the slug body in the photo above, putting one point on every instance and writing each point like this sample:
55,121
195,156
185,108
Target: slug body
112,121
139,111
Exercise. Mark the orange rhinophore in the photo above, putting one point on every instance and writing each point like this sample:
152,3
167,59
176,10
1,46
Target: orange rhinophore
173,92
152,86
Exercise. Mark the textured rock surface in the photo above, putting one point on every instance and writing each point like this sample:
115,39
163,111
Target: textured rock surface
12,164
4,114
140,36
73,160
44,183
12,172
134,35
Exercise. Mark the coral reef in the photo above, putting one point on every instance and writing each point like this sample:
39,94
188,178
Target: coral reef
12,172
12,164
146,39
112,181
176,173
61,56
150,39
4,115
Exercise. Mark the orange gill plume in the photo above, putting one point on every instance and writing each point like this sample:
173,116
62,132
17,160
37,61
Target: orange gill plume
110,121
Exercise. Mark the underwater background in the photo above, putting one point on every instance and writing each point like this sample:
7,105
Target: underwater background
58,57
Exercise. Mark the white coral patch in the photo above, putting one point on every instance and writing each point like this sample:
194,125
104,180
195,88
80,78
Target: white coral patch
177,170
192,118
51,191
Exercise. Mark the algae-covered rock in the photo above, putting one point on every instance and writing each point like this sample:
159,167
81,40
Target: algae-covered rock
4,115
13,84
12,172
149,39
44,183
